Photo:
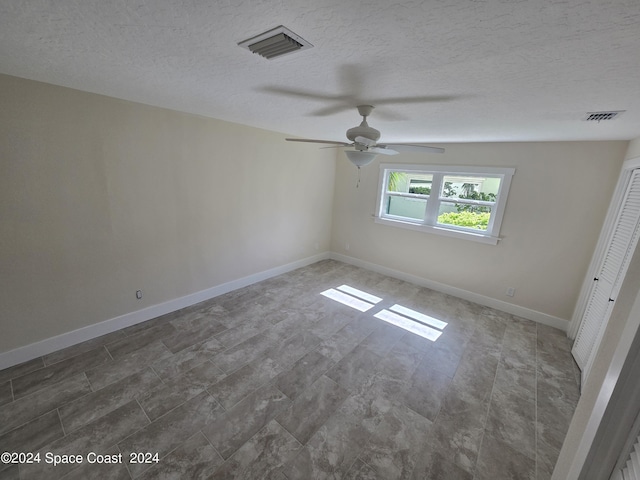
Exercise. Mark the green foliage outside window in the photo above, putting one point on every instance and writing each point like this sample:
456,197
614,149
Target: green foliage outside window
477,220
395,180
420,190
468,192
470,216
449,190
487,197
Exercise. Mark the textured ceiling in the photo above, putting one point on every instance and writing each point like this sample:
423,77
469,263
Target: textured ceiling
438,71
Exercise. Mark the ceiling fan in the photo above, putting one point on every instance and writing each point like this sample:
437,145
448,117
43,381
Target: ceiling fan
365,142
353,89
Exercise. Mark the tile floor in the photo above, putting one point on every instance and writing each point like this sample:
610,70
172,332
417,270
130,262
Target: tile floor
278,381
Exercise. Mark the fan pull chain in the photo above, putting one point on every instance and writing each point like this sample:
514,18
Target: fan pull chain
358,184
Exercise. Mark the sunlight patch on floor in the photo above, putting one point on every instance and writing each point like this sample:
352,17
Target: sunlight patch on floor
409,325
398,315
348,300
360,294
419,317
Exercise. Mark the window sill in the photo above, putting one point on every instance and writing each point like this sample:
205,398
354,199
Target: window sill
446,232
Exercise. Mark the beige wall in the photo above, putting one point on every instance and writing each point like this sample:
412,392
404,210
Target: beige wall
100,197
557,203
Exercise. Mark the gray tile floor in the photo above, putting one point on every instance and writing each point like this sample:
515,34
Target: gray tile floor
278,381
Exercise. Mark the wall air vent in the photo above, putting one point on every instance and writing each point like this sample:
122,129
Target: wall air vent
600,116
275,43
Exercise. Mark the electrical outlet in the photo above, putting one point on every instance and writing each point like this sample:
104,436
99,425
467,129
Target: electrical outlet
138,294
511,291
346,246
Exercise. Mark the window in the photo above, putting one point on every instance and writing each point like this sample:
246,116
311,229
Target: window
464,202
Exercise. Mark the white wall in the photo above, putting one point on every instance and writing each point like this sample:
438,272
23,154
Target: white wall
100,197
557,203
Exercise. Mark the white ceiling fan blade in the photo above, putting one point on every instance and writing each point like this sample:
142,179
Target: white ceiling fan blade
292,92
382,150
308,140
406,147
365,141
331,110
337,146
412,100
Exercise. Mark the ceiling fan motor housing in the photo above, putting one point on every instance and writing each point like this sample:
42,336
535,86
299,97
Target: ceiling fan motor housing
364,140
363,130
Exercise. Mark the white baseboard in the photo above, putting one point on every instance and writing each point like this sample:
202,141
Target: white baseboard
50,345
523,312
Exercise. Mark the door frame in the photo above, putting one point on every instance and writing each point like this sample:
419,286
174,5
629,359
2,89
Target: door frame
615,406
601,247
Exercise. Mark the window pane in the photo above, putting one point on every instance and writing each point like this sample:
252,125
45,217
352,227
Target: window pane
464,203
473,188
404,182
455,214
413,208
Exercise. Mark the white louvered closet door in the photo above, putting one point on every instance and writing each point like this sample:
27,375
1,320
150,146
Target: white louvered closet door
631,469
622,242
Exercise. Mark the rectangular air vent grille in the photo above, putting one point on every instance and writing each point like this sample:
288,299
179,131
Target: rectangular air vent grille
600,116
275,43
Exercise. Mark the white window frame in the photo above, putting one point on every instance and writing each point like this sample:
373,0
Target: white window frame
429,223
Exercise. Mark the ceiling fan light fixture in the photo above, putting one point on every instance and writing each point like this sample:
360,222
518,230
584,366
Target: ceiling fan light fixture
360,159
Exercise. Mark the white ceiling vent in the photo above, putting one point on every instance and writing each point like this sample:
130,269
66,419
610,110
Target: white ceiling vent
275,43
600,116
